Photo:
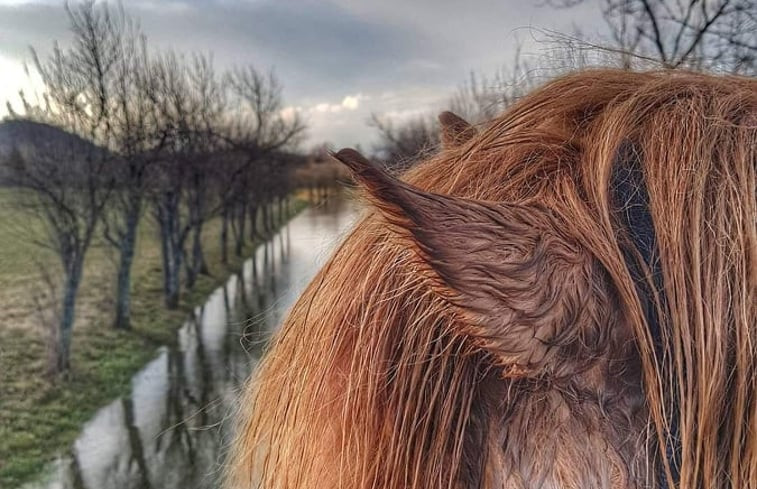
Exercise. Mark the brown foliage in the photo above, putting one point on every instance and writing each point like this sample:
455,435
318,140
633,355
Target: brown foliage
481,326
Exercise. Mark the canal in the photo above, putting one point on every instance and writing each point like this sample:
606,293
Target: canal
174,428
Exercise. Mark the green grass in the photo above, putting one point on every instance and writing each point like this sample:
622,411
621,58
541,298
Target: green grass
40,417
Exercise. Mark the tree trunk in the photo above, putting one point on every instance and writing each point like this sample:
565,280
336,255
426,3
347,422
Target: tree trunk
135,443
172,254
225,235
165,252
172,287
196,265
122,318
254,271
126,249
190,274
241,221
62,354
264,219
269,217
197,216
253,211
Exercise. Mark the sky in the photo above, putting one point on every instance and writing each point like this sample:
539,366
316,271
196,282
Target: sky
339,61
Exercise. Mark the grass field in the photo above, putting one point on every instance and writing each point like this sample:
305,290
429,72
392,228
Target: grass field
40,417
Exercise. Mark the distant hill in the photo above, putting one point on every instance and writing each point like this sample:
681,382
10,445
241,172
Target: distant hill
26,135
36,139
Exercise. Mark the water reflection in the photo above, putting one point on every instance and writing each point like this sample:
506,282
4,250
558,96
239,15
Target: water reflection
171,431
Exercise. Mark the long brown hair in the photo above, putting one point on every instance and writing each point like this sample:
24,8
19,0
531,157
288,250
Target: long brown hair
487,322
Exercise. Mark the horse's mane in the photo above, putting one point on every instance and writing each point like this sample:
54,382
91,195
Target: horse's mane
484,328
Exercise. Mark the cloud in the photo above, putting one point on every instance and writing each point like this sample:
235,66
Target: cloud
289,113
351,102
335,58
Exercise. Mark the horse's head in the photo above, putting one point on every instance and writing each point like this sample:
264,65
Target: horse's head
519,284
562,297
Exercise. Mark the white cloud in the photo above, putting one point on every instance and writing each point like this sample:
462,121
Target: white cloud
351,102
289,113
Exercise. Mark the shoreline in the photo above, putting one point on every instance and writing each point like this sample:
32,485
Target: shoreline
39,420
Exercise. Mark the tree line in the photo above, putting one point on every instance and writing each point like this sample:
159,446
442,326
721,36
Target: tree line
152,133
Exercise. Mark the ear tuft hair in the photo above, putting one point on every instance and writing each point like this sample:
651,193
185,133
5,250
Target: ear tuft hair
455,130
396,199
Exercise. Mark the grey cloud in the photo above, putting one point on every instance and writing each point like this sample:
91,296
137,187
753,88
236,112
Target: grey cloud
323,51
30,25
317,48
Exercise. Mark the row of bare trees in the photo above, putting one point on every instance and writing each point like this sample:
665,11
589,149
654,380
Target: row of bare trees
153,134
711,35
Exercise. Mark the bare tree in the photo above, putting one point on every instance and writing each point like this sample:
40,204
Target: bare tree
263,126
137,140
66,182
260,129
176,113
65,185
215,160
699,34
209,107
229,183
401,145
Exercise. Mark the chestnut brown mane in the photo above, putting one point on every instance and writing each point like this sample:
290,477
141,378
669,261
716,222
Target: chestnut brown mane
487,323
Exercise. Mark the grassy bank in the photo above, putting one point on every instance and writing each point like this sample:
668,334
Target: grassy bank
39,418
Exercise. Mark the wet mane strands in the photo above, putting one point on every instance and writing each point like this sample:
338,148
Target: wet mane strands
561,298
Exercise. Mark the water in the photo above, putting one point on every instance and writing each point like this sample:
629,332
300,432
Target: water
172,430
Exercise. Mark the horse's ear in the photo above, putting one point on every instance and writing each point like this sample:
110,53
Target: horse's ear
455,130
515,280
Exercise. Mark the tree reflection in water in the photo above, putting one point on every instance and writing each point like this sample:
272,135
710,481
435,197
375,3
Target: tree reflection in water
172,430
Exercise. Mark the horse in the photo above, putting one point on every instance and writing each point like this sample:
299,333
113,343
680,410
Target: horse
561,297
